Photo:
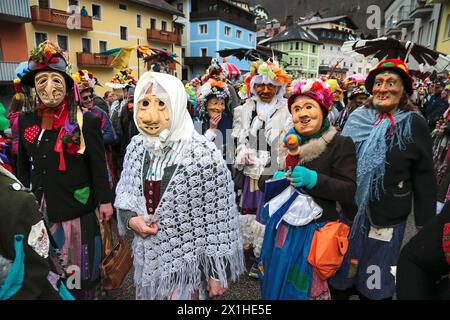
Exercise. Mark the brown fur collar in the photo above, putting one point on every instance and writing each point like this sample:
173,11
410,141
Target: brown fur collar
315,147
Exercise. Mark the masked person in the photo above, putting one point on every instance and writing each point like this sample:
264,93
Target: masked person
257,126
62,157
395,170
176,195
356,98
336,91
326,163
216,118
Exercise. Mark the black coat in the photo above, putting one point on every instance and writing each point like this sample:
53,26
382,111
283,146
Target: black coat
86,170
409,173
18,213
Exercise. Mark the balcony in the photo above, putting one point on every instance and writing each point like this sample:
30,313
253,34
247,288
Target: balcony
164,36
60,18
197,61
15,11
93,60
422,11
404,19
246,22
8,71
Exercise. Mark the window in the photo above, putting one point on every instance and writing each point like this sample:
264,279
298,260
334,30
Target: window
339,48
301,48
86,45
227,31
297,46
351,65
344,63
62,42
152,23
250,38
203,29
96,12
180,7
239,34
290,61
164,25
419,40
213,7
40,37
323,47
139,21
291,47
331,48
301,62
296,62
313,49
183,52
448,26
204,52
313,63
71,3
359,70
123,6
102,46
430,32
123,33
323,62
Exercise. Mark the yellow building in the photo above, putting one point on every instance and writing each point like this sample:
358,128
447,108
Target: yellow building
443,40
109,24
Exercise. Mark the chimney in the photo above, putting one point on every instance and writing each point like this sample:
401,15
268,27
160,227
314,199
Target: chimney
289,21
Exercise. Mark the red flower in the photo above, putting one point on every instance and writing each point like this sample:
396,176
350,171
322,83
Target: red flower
48,54
317,86
72,148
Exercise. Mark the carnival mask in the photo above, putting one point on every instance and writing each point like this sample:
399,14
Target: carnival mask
336,96
307,115
51,88
387,91
152,114
215,107
266,91
357,101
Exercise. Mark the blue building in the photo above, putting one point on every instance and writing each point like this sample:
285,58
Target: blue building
212,25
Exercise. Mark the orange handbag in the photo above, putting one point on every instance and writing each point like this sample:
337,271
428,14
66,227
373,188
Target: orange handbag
328,247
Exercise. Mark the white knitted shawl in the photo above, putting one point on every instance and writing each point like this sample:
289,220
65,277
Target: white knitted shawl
197,218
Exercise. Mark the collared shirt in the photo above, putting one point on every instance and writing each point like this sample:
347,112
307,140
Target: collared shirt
159,162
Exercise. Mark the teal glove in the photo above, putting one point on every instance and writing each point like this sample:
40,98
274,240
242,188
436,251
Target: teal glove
279,174
303,177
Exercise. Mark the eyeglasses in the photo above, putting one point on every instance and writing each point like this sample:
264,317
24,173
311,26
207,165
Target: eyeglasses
89,96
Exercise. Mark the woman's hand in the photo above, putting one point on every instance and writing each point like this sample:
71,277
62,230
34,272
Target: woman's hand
214,288
138,225
215,121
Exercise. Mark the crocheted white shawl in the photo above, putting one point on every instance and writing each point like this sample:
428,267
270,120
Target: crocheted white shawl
197,218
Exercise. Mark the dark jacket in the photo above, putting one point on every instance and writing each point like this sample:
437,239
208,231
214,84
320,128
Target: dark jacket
82,171
409,174
336,169
18,213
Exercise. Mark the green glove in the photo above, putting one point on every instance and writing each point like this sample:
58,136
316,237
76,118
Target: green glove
303,177
279,174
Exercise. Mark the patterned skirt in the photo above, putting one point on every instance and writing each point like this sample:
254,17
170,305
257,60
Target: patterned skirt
80,253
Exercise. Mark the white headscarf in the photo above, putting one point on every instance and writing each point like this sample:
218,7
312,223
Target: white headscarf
171,91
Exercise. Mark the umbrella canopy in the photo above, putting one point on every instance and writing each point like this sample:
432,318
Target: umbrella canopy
251,54
231,71
415,55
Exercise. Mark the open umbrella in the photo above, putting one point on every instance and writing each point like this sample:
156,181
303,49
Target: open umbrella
415,55
252,54
232,72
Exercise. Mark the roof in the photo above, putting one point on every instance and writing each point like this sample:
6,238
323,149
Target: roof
329,19
293,33
160,5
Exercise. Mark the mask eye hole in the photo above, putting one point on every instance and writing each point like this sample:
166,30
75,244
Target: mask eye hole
161,104
145,103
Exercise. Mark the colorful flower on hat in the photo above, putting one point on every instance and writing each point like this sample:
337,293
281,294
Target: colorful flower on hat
316,89
216,88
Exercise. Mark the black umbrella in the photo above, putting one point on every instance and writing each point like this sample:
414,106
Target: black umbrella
415,55
251,54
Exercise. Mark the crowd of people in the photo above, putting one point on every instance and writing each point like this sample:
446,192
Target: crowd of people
313,178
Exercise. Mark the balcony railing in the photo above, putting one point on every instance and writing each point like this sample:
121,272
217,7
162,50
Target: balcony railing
163,36
403,17
60,18
93,60
15,10
421,11
8,71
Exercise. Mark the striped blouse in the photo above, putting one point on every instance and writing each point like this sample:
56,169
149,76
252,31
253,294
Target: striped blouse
159,162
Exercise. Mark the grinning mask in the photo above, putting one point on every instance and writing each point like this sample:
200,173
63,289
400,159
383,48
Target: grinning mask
307,115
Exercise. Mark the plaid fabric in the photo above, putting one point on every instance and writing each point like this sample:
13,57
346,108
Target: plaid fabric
446,242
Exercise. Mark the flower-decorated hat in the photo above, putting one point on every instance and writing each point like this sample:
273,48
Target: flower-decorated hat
357,79
122,79
191,91
214,71
357,91
47,57
211,89
316,89
85,80
266,72
394,65
334,85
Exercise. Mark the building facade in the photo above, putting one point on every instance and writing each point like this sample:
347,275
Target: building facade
108,25
413,20
443,35
210,26
13,45
302,48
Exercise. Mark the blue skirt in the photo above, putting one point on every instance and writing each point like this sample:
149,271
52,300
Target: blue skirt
368,264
